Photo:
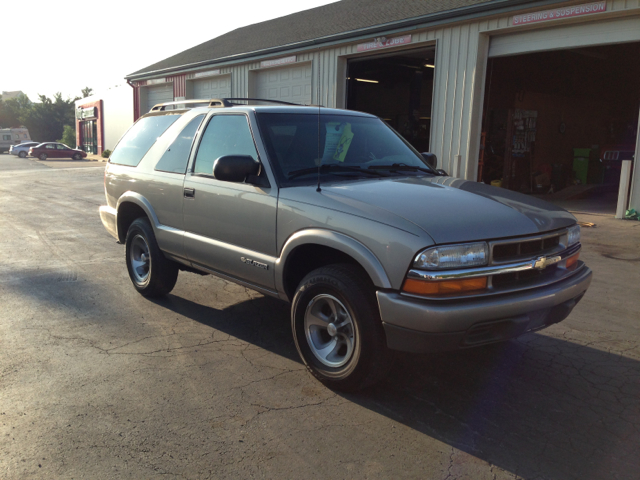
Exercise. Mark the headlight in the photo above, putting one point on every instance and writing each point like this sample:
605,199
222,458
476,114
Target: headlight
574,235
453,256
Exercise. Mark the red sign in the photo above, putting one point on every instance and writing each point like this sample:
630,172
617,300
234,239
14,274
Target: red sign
564,12
383,42
278,62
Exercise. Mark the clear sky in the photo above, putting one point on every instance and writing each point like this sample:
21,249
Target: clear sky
67,45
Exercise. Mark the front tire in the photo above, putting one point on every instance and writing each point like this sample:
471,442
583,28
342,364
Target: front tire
337,328
42,156
151,273
76,156
22,154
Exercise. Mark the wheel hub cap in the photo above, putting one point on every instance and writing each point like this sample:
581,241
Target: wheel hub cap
139,259
329,330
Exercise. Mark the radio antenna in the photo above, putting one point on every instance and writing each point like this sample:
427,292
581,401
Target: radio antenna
318,189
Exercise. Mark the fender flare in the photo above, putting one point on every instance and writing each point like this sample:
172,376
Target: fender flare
338,241
142,202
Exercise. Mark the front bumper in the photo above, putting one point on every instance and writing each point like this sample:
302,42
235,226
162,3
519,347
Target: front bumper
416,325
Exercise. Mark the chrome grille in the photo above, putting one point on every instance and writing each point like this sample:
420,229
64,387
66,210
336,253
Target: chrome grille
506,251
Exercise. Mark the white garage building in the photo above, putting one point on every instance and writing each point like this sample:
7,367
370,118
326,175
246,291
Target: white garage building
532,94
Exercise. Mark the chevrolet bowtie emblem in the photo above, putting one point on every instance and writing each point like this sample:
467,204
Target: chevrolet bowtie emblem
543,262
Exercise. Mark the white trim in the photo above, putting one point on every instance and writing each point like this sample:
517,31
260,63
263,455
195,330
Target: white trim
197,75
586,34
279,62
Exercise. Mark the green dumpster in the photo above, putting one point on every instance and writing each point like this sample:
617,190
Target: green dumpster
581,164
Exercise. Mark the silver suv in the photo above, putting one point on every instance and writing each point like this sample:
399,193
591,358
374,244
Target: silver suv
334,212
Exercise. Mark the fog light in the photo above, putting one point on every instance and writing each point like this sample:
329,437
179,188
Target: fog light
421,287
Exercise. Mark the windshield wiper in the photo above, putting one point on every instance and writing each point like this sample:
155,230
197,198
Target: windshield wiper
330,167
403,166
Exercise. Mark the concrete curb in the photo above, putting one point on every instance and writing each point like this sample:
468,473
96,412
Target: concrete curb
96,158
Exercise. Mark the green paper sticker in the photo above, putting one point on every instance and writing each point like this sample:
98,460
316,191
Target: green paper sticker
344,144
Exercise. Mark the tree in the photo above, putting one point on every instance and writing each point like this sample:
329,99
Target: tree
69,136
45,119
13,111
86,92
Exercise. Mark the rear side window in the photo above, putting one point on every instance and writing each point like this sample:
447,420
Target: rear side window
140,138
225,135
176,157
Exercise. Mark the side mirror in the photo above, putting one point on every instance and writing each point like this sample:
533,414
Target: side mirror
431,159
442,172
235,168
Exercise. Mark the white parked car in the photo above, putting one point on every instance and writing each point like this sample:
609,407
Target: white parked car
22,150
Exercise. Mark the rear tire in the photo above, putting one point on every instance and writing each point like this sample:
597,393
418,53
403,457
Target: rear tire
337,328
42,156
22,154
151,273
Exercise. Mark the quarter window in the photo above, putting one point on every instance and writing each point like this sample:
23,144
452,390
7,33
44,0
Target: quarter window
176,157
225,135
140,138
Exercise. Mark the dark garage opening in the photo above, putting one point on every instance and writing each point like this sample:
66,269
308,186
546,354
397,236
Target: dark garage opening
561,121
398,88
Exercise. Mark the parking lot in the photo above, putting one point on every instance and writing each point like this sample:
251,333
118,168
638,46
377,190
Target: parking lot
98,382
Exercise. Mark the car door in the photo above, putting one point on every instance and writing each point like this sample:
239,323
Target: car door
230,227
164,189
50,150
62,151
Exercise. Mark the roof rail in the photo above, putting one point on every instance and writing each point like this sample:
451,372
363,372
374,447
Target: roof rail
160,107
232,101
218,102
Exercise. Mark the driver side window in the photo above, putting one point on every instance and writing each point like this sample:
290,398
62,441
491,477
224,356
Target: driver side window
225,135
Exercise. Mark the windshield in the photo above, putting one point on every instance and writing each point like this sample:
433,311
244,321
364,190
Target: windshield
345,146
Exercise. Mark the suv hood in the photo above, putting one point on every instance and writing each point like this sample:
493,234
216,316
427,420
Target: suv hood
449,210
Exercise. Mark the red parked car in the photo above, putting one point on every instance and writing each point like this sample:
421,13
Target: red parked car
55,150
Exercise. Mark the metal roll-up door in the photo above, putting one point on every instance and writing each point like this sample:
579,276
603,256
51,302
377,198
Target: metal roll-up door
569,36
213,87
289,84
159,94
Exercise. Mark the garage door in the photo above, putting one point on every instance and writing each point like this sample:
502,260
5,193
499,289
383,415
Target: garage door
214,87
289,84
571,36
159,94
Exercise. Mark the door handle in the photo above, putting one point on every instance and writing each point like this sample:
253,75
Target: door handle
189,192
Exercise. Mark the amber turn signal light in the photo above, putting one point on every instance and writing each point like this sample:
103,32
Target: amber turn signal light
421,287
572,261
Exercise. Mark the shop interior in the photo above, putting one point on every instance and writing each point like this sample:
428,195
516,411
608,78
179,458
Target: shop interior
561,119
397,87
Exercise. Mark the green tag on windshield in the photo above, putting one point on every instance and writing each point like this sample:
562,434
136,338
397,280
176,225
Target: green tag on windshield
344,143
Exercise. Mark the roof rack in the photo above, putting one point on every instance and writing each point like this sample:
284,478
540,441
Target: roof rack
219,102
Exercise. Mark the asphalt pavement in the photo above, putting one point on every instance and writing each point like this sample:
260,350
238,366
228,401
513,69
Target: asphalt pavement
99,382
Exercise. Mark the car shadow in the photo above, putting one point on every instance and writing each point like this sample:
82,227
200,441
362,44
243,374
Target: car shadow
262,321
539,406
55,160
